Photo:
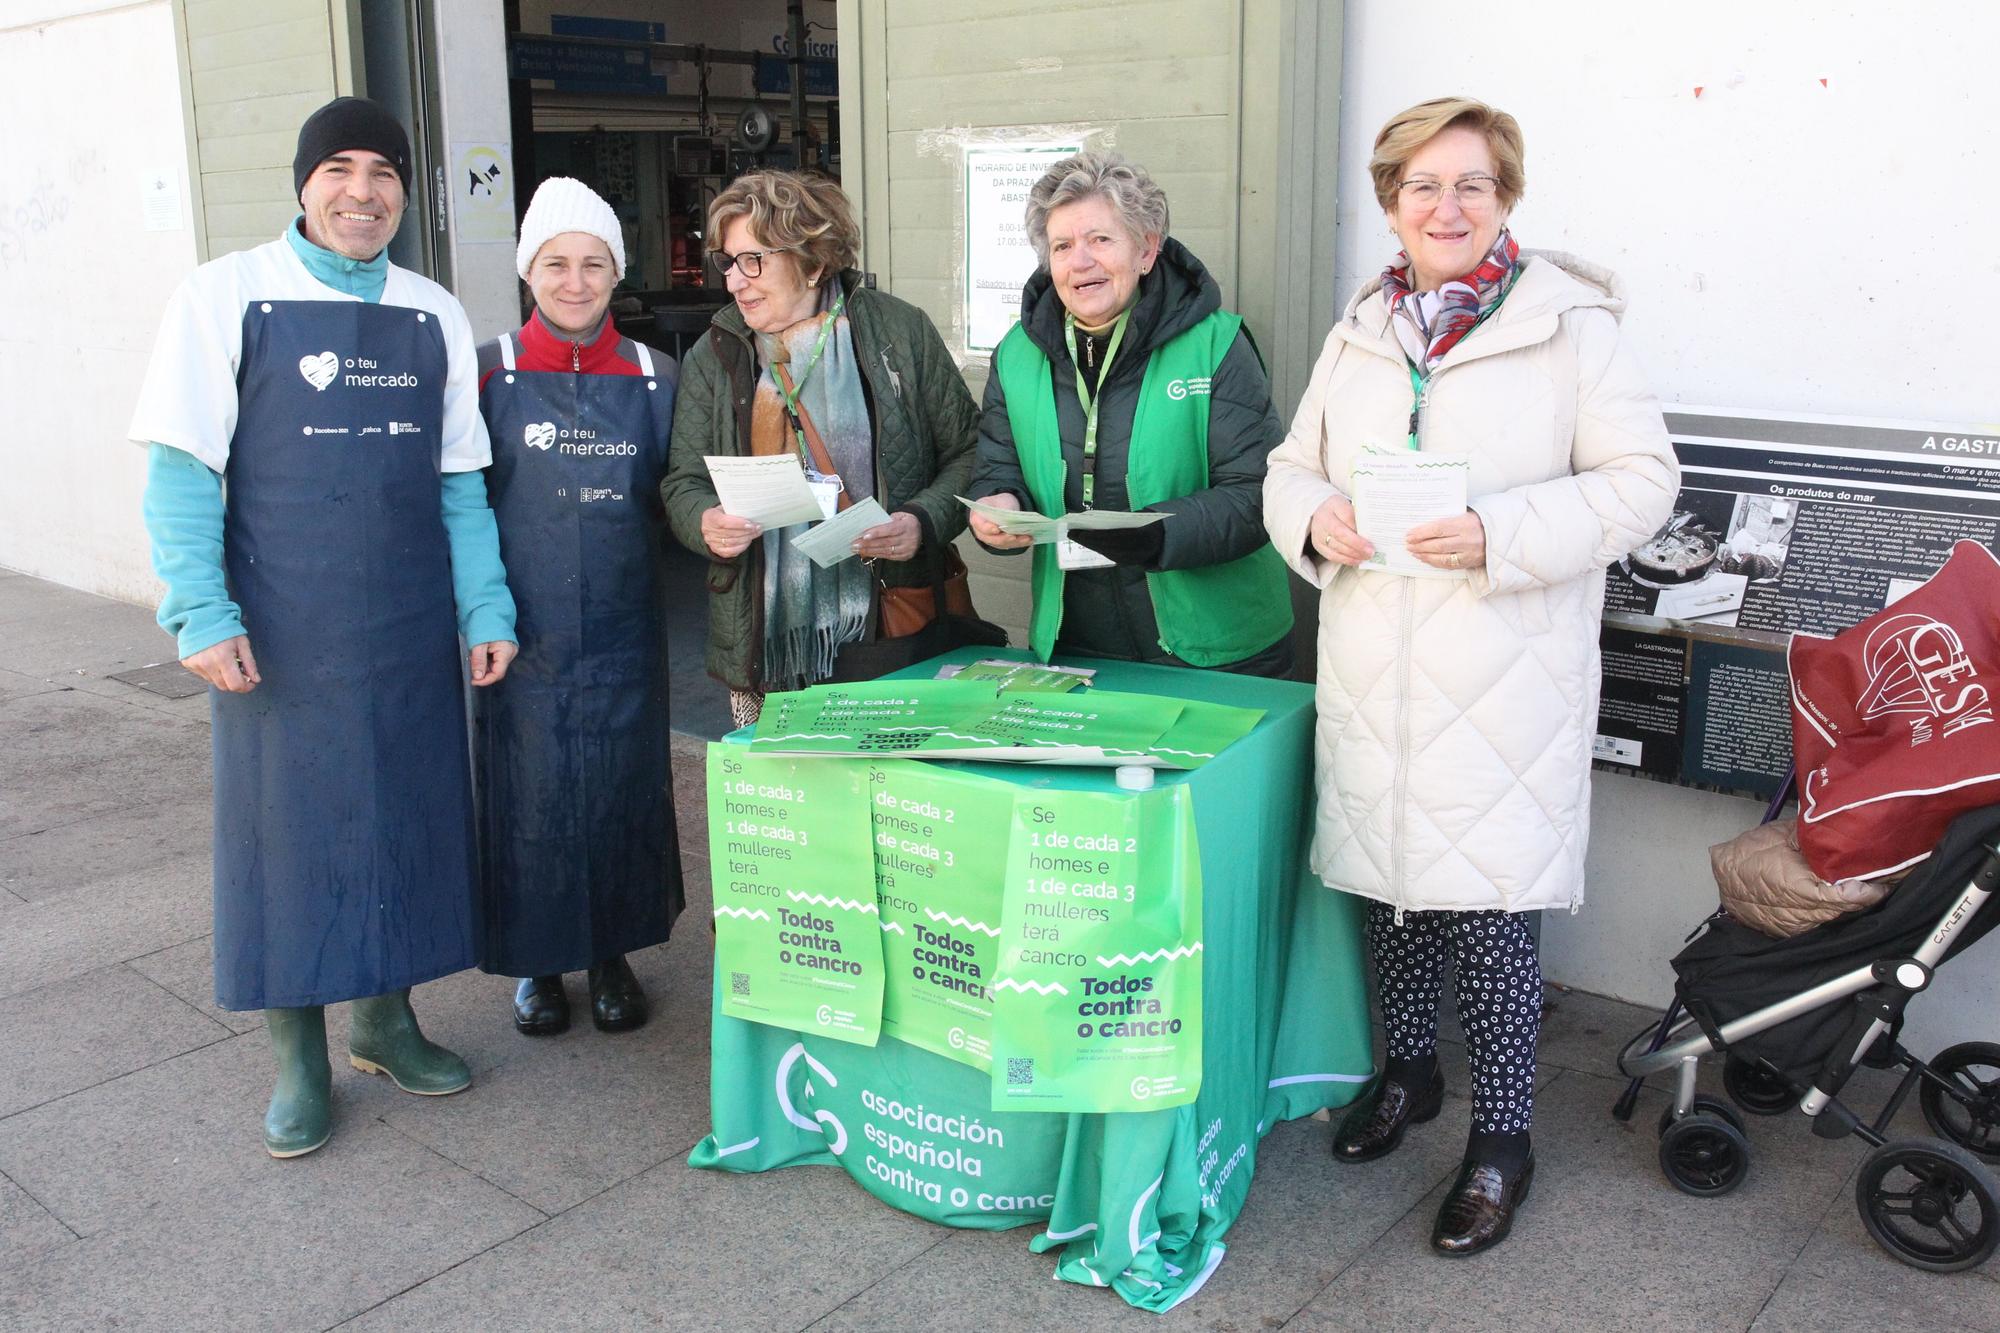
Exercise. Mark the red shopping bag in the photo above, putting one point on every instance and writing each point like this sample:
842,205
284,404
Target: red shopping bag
1894,730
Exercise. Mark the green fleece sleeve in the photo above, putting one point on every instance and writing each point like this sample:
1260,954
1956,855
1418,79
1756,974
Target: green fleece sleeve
183,513
478,580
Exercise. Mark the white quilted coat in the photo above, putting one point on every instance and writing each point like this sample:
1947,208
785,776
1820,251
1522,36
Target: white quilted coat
1456,716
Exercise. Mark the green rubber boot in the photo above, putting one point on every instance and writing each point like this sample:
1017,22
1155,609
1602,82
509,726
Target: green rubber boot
383,1038
301,1114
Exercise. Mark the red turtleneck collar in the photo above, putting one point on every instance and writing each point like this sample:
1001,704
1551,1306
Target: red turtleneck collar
543,349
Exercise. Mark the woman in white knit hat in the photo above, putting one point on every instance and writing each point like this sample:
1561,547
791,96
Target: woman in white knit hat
581,863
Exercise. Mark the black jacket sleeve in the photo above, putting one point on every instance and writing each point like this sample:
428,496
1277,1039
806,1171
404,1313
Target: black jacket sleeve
1225,521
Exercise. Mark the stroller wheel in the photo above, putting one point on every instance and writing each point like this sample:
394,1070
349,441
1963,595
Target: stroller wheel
1931,1204
1704,1104
1756,1089
1704,1155
1969,1115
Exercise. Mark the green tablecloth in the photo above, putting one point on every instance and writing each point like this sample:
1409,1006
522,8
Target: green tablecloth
1138,1202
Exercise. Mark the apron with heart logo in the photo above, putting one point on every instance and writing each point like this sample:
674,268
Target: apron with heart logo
581,862
344,856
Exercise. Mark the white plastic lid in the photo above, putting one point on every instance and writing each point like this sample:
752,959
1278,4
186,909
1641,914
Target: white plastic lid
1135,777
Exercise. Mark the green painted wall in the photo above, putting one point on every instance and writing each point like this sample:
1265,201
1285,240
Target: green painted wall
255,69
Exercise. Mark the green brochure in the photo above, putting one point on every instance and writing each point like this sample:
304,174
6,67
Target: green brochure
1025,676
1123,726
798,947
940,852
1201,732
1098,998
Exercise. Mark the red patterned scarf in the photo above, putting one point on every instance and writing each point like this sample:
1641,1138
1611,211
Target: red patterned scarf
1429,324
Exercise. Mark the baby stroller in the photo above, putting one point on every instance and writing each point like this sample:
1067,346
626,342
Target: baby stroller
1794,1017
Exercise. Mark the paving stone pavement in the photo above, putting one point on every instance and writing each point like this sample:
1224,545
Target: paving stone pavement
135,1192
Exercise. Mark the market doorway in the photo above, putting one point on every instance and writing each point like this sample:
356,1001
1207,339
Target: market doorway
658,105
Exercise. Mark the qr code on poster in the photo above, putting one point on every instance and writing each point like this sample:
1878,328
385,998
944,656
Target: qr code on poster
739,983
1020,1071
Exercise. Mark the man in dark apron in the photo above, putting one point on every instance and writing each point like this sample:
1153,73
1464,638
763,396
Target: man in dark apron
314,490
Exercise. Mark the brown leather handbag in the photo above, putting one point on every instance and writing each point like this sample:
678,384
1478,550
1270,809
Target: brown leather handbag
907,610
919,632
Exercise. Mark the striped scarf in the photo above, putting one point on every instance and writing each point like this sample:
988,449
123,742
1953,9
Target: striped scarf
810,612
1429,324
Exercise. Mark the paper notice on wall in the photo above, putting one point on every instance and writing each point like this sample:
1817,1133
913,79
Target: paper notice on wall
998,256
160,199
482,191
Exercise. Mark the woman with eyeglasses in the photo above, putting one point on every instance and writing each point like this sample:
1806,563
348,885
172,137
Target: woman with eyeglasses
856,383
1458,702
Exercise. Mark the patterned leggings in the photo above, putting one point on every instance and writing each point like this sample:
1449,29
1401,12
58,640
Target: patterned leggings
1499,1000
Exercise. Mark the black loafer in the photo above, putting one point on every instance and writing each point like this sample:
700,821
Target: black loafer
617,1004
541,1007
1375,1125
1479,1211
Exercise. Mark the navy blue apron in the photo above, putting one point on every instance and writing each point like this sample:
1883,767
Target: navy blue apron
580,861
344,854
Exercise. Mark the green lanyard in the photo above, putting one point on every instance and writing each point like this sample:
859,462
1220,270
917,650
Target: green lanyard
1089,396
791,395
1420,382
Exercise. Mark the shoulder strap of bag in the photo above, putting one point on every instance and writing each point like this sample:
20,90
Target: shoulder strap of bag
821,458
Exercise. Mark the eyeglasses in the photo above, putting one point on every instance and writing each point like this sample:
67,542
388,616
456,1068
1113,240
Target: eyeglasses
751,261
1472,192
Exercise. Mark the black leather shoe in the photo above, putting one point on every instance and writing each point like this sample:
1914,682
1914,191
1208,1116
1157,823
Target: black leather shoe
541,1007
1375,1125
1479,1211
616,1002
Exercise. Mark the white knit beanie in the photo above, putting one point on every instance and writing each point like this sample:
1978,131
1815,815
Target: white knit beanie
562,204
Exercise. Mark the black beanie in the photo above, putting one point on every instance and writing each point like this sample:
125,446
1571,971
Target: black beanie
345,123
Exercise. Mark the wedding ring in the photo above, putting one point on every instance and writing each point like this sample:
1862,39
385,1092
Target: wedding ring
1453,559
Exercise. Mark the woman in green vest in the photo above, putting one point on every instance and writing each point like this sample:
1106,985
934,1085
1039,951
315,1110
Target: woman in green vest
1126,386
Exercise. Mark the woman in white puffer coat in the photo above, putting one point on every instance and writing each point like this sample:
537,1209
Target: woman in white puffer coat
1457,705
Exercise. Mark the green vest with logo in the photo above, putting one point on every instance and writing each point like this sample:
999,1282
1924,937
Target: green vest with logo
1208,616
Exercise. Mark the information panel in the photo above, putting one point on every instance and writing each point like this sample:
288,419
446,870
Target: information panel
1782,525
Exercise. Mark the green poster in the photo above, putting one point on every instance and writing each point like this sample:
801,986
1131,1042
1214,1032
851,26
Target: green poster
786,839
972,719
1098,998
940,852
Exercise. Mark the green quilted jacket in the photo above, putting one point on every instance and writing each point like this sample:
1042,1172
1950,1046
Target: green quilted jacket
925,424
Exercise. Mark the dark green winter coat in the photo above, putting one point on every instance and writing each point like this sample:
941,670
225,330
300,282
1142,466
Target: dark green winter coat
1109,612
924,420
